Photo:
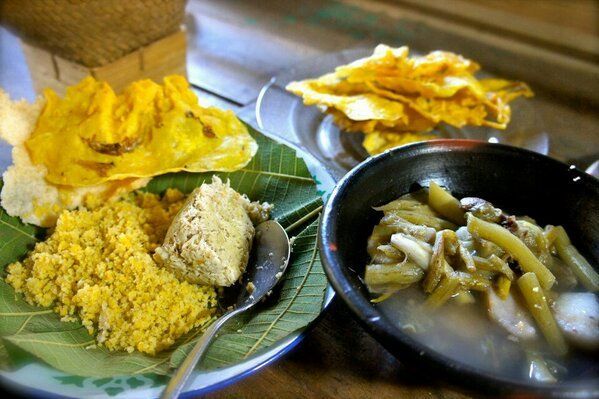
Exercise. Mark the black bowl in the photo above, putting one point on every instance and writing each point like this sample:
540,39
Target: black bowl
514,179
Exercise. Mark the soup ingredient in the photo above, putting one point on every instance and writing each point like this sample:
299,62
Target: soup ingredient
444,203
395,99
417,251
97,265
514,246
481,209
438,265
538,370
537,305
447,288
148,130
210,239
577,263
25,191
523,272
390,277
577,315
494,264
511,315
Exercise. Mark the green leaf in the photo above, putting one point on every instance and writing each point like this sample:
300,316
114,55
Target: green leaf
16,238
74,352
20,317
275,175
5,361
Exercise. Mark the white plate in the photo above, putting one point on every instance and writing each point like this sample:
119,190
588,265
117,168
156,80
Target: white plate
50,383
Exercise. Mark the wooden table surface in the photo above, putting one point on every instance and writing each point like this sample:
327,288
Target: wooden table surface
234,48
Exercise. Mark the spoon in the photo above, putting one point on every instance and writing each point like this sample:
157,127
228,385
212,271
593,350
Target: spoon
270,259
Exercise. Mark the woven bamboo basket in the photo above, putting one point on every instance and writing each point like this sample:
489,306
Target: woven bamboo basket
92,32
117,41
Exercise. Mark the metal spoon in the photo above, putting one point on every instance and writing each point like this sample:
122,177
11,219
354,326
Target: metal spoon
270,259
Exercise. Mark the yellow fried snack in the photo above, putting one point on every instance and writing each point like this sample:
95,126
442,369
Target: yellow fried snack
25,191
395,99
413,122
377,142
360,107
92,136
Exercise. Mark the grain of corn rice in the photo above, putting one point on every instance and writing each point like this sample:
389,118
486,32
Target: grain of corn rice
97,265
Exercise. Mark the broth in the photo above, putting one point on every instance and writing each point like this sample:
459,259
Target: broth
464,334
497,331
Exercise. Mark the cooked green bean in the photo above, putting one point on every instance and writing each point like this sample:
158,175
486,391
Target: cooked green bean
467,258
380,236
486,248
493,264
406,205
451,242
445,204
385,278
473,281
496,264
486,274
512,244
387,295
418,252
503,287
484,264
388,254
585,273
437,265
538,307
534,238
502,266
427,220
448,287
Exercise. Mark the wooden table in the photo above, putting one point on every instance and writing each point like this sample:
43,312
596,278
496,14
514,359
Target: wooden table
234,48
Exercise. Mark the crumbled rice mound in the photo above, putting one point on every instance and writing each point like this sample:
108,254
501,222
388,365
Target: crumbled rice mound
210,239
97,265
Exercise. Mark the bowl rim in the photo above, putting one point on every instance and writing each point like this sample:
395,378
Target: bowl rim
377,325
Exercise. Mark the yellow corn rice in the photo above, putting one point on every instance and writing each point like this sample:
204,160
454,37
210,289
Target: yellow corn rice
97,265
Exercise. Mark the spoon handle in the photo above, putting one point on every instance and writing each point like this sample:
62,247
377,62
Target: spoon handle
177,383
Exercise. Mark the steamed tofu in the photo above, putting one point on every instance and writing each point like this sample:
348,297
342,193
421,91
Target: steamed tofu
210,239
